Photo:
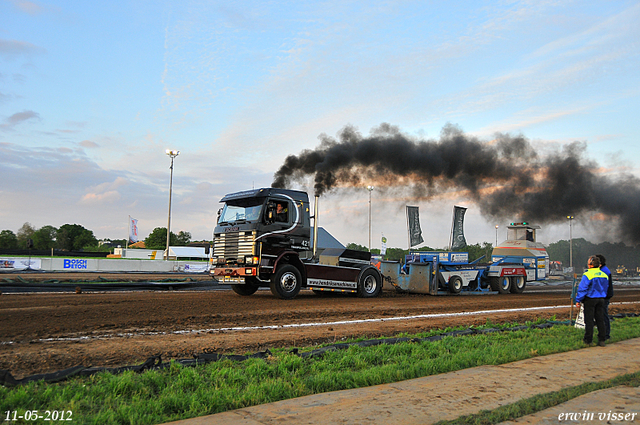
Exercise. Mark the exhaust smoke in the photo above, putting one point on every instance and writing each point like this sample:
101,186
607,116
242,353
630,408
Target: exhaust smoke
506,177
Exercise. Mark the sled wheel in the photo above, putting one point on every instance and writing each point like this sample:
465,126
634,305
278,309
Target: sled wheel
518,284
503,285
455,285
369,284
286,282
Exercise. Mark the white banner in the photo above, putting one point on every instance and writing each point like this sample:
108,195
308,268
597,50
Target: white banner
133,230
20,264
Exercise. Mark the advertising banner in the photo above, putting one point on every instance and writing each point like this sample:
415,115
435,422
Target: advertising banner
20,264
196,268
133,230
413,224
457,232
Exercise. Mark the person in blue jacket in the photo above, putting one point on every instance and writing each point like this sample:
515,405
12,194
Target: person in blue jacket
592,292
604,268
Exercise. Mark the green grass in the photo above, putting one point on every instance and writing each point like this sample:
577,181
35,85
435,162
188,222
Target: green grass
182,392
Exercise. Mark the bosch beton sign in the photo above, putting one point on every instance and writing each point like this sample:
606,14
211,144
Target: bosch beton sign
75,264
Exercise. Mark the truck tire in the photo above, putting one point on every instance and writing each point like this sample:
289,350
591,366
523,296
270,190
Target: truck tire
286,282
455,284
518,284
249,288
369,284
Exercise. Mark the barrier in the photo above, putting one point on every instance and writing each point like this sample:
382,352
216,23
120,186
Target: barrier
61,264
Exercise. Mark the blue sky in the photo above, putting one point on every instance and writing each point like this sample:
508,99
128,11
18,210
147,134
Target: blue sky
92,93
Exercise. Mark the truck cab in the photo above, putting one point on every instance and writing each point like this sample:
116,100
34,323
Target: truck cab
255,229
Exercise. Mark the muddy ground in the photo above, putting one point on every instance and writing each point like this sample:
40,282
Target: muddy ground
45,332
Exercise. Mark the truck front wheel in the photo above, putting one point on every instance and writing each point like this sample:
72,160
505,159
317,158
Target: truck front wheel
249,288
369,284
517,284
286,282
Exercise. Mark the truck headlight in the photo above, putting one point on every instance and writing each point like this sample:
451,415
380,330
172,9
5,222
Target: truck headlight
249,259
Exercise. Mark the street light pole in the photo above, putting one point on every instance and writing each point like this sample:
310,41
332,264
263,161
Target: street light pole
172,154
497,234
370,189
573,285
570,217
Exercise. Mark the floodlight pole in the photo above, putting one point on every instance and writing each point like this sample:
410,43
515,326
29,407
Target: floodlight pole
573,285
570,218
172,154
497,234
370,189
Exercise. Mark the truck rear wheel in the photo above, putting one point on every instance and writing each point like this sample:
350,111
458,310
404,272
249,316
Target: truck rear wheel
518,284
249,288
286,282
369,284
455,285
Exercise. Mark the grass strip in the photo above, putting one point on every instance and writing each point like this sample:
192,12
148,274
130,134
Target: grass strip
541,402
179,392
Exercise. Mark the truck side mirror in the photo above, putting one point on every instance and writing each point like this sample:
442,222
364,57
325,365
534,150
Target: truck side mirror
270,217
219,214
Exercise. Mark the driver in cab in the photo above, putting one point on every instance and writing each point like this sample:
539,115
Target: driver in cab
281,213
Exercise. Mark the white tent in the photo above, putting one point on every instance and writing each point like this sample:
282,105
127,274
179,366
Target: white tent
176,252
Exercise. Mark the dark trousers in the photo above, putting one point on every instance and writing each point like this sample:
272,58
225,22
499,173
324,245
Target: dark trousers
607,323
594,308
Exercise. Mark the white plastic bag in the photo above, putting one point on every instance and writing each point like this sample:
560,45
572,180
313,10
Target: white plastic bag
580,319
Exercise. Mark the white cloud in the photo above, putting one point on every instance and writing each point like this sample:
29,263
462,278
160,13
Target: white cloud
28,7
18,118
89,144
12,49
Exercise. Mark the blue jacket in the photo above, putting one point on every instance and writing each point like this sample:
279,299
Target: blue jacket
594,284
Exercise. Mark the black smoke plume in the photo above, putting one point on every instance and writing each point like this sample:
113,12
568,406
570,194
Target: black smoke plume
506,177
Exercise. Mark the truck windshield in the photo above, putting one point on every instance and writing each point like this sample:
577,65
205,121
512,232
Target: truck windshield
245,212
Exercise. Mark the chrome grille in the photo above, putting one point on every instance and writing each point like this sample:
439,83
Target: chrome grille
233,246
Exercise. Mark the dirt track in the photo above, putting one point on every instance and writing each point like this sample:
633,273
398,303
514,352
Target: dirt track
48,332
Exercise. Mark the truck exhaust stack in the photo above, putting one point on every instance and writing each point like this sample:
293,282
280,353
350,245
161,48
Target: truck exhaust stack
315,226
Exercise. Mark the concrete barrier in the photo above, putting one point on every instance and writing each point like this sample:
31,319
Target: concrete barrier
61,264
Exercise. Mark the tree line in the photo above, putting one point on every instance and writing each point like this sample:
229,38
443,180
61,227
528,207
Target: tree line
74,237
615,253
476,251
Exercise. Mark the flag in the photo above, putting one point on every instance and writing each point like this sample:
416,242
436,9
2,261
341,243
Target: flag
413,223
383,251
133,230
457,232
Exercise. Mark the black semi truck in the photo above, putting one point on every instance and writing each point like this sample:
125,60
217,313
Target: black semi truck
263,239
